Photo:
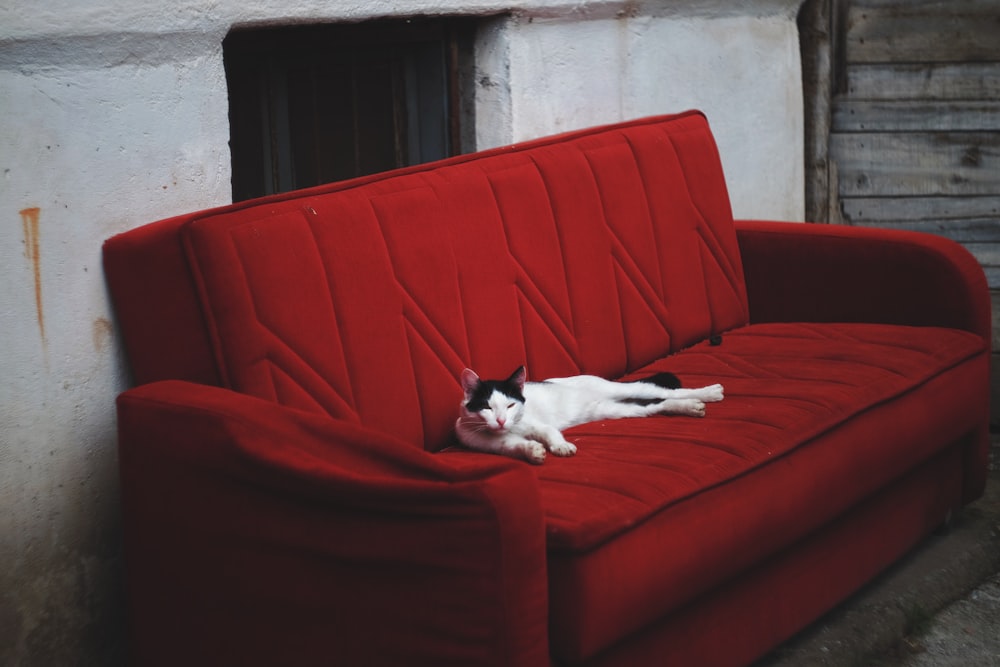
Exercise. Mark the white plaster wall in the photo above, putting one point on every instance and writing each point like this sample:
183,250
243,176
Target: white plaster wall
94,143
113,113
742,71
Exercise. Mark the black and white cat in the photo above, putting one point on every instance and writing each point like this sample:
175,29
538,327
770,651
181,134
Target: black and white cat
524,419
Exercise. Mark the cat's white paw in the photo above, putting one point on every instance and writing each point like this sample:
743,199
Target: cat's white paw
711,394
534,452
563,449
691,407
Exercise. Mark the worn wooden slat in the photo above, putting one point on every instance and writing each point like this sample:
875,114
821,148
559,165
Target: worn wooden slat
953,30
933,209
917,164
978,230
995,302
992,276
924,81
817,20
915,115
988,254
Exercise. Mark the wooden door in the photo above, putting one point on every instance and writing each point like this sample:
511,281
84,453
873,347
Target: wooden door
903,117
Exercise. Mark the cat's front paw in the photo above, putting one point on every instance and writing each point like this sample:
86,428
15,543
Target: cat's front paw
534,452
563,449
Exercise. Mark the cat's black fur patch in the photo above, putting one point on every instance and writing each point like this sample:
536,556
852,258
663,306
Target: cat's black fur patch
665,380
481,394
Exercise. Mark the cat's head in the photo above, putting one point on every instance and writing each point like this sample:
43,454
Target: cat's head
493,405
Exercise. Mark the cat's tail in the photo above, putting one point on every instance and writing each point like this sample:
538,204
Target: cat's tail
665,380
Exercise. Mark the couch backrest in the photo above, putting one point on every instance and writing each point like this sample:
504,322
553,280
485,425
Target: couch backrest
597,251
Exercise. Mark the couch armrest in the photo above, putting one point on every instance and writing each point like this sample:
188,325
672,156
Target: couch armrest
260,535
825,273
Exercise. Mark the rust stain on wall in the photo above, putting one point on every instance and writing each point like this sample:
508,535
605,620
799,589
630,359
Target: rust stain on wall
29,220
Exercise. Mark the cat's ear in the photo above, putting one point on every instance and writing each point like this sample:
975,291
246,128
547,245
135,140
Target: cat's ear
519,377
469,381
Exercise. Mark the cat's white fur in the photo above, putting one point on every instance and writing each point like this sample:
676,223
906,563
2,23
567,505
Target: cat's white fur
526,430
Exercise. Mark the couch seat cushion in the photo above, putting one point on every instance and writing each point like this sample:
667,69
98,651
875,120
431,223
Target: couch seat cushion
651,512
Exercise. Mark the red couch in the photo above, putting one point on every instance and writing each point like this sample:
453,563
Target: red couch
289,488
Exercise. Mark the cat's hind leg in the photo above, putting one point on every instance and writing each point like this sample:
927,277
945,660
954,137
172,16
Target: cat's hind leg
713,393
710,394
691,407
645,390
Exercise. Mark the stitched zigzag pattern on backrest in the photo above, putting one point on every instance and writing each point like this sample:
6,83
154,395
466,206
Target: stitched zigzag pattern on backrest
598,252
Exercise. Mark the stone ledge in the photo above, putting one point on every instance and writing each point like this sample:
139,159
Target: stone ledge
68,19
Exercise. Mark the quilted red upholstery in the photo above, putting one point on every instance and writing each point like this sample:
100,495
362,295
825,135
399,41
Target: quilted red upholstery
812,377
556,256
302,354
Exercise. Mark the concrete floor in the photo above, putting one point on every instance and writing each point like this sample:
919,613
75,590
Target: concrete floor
965,634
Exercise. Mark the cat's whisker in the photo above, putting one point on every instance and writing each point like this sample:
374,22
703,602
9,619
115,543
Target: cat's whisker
474,425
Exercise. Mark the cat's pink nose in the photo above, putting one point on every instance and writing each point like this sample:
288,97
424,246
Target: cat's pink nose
501,421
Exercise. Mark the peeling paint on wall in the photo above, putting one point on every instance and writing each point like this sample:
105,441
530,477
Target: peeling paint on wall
29,221
102,331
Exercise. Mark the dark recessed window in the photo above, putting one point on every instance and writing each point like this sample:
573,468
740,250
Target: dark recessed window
314,104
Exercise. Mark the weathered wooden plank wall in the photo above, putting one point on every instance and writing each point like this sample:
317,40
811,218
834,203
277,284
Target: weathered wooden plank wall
915,120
